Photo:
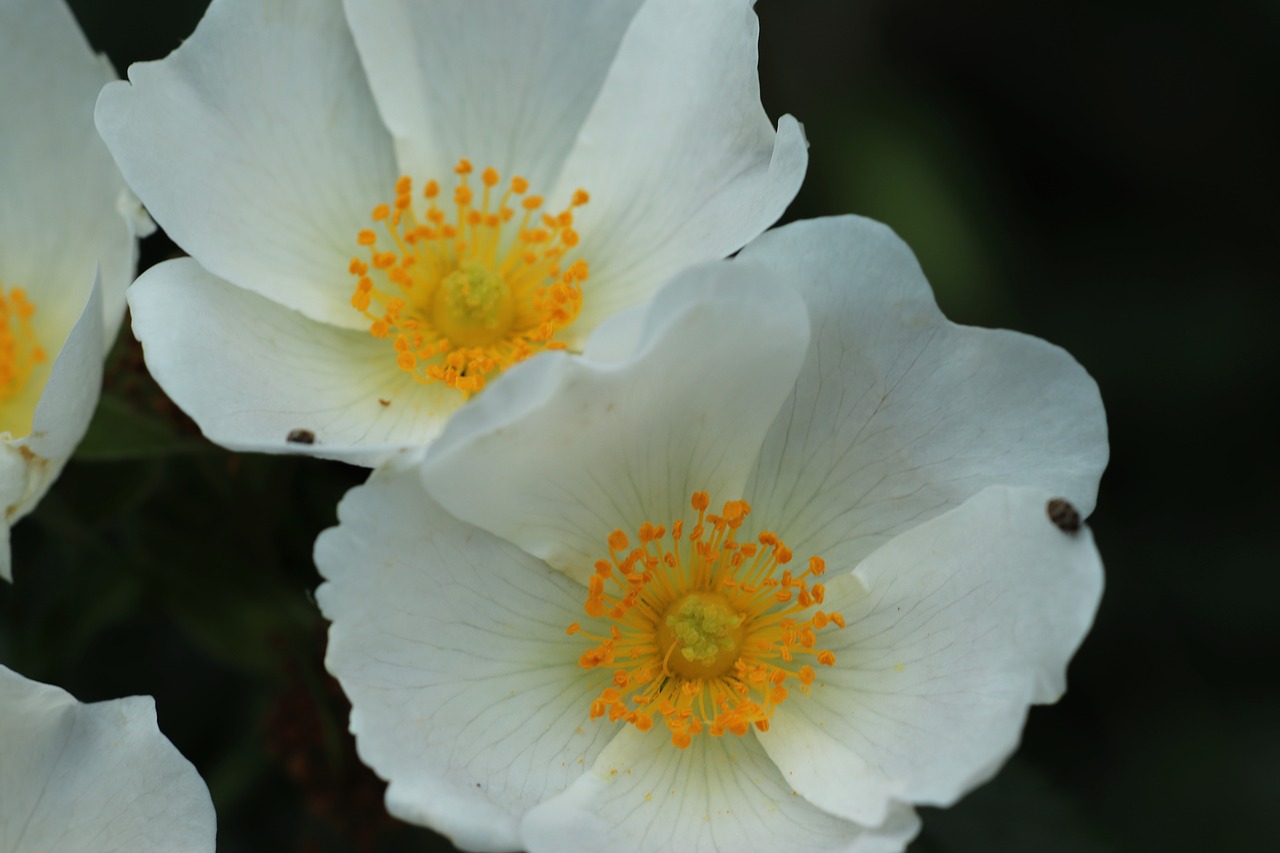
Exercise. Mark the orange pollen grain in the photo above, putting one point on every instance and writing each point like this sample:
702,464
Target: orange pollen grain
692,631
20,350
467,289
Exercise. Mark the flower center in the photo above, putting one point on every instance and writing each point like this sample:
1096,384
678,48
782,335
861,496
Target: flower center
20,351
463,296
473,306
700,636
702,632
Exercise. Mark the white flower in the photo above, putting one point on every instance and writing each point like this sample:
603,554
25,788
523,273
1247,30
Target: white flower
98,777
65,217
573,672
279,142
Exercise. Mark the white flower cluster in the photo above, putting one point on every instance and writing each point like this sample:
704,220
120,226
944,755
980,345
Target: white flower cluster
664,549
73,777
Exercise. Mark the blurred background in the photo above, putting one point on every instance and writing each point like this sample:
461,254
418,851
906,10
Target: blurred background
1098,174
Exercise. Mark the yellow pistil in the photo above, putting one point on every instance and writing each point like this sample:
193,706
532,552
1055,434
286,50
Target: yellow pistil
705,632
463,295
20,351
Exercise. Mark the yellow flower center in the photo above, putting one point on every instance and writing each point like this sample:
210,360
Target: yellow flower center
466,294
702,632
20,351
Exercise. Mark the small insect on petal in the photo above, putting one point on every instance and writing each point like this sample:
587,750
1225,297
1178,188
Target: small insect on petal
1065,516
301,436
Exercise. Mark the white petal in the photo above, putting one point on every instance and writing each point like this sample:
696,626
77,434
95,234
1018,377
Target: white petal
466,691
899,414
681,162
722,793
71,393
67,398
257,146
966,620
561,451
250,372
60,214
98,777
505,85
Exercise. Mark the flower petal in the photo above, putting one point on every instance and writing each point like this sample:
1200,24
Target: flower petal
899,414
506,85
67,398
257,146
681,162
722,793
561,451
965,621
63,198
451,644
71,392
95,777
251,372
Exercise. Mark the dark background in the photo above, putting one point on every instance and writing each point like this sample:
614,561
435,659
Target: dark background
1098,174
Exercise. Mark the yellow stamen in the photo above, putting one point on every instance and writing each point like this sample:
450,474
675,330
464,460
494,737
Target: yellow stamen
465,294
20,351
702,632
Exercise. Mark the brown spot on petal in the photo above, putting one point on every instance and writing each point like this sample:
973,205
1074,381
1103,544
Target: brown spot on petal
301,436
1064,516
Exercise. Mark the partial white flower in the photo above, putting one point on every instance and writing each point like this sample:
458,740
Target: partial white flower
66,222
98,777
387,203
781,556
